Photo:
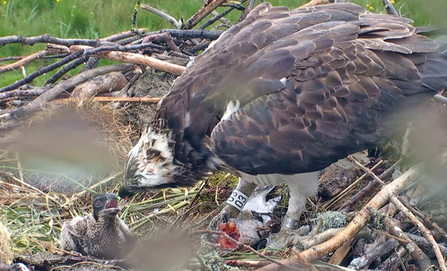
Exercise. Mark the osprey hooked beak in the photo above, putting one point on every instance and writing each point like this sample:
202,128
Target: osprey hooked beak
150,163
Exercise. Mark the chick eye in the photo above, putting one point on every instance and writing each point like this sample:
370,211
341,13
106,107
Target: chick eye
98,202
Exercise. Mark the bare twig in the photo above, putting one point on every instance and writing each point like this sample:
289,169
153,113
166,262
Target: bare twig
425,232
180,34
215,18
49,39
136,59
418,255
441,98
41,71
426,246
390,9
70,66
362,216
364,261
6,96
349,188
365,169
112,99
23,61
40,101
246,263
424,217
163,15
166,37
369,187
123,35
203,12
9,58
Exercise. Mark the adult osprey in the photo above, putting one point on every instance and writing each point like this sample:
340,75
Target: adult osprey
284,94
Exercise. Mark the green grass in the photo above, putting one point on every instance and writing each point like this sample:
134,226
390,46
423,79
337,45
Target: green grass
101,18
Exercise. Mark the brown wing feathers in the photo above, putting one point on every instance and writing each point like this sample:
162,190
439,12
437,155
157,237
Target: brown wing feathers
314,84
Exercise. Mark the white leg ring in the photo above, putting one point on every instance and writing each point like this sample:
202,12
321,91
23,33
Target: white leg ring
237,199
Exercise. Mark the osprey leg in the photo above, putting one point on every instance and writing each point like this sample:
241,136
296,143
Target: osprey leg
234,204
301,187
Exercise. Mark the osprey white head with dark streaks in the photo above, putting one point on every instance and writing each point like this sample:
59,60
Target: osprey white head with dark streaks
284,94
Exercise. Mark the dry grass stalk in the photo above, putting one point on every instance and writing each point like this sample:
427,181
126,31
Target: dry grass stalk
6,255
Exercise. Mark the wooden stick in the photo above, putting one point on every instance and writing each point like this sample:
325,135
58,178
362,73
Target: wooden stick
349,188
112,99
390,9
51,93
369,187
203,12
360,219
162,14
441,98
365,169
424,217
23,61
425,232
136,59
316,2
418,255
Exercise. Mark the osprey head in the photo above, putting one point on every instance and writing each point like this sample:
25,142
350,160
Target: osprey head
150,163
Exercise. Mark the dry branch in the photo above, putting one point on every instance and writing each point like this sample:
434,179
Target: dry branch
163,15
425,232
418,255
203,12
112,99
113,81
23,61
49,39
366,170
316,2
360,219
136,59
51,93
390,9
349,188
369,187
377,252
41,71
427,221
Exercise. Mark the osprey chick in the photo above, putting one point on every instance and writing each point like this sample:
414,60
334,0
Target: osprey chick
101,234
283,95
